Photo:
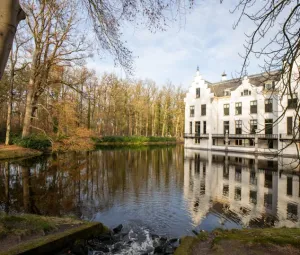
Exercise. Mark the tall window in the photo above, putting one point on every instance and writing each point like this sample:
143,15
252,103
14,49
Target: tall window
292,102
253,126
191,127
269,105
226,127
197,92
269,126
203,109
204,127
192,111
238,127
289,125
238,108
226,109
253,106
197,127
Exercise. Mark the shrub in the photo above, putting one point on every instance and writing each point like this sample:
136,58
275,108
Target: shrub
38,142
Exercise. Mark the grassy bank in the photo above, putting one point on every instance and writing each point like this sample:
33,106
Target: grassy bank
129,140
19,233
245,241
14,151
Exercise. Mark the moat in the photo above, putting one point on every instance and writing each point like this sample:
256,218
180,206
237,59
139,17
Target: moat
168,191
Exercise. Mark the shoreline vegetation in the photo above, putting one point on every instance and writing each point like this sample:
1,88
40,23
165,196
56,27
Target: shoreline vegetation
28,232
242,241
36,145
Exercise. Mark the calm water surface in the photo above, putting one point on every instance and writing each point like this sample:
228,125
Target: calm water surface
168,190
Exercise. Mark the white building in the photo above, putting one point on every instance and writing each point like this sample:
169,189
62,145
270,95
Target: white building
242,115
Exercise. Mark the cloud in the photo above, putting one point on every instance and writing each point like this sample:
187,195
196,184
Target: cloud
207,39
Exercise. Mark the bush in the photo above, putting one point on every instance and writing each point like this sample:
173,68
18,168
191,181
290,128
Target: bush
133,139
37,142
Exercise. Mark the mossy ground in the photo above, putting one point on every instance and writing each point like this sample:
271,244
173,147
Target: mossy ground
245,241
28,224
26,232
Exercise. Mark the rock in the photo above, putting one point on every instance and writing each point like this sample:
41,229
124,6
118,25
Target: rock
117,247
158,249
153,236
173,240
169,250
104,238
195,232
118,229
78,250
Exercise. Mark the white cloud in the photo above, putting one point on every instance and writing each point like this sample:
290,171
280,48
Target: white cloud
207,39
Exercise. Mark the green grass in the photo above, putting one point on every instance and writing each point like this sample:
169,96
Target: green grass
133,139
188,242
37,142
278,236
26,224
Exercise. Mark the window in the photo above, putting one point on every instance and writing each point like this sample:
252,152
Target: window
269,105
247,92
192,111
289,125
238,174
191,127
197,127
253,106
270,86
237,194
238,142
226,127
238,127
238,108
292,101
214,141
268,180
197,140
269,126
225,172
226,92
226,190
203,109
253,178
253,197
197,92
204,127
292,212
289,186
253,126
226,109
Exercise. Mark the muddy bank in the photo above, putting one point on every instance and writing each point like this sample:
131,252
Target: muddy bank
14,151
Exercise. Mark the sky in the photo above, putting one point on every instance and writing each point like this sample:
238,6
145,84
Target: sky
206,39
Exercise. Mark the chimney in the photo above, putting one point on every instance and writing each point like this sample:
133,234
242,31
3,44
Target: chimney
224,76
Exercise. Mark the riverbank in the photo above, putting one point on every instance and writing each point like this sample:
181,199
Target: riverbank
14,151
279,241
40,234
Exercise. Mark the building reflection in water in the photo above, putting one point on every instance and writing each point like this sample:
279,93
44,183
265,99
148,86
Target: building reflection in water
246,191
168,189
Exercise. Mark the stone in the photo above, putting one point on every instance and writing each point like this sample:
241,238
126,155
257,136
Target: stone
118,229
195,232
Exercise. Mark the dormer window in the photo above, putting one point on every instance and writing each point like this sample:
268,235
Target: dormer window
269,85
197,92
227,92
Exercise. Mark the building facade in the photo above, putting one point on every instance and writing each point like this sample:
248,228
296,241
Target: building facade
250,115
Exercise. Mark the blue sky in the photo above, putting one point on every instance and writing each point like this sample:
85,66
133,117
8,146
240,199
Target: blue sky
205,38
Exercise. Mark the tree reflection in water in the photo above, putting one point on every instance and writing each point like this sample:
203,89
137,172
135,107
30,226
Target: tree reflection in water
169,189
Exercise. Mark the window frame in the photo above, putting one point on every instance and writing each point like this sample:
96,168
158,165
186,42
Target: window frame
238,126
238,106
203,114
197,92
292,104
192,111
252,107
253,124
227,109
269,106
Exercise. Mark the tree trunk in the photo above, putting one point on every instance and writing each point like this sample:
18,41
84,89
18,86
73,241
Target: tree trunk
9,109
28,110
11,14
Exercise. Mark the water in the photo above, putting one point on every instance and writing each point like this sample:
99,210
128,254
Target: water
168,191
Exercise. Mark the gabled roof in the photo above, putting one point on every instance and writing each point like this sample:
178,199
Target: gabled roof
256,80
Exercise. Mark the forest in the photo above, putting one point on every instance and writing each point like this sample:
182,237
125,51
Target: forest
47,88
